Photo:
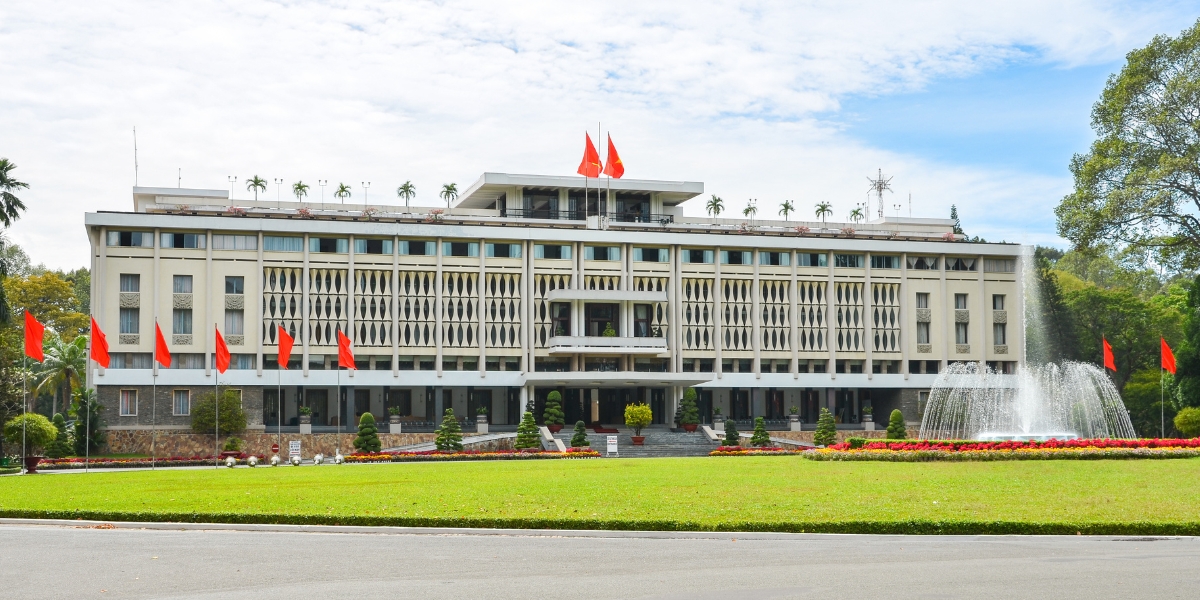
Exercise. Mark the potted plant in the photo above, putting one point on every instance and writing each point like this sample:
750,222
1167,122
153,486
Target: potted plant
868,418
718,419
553,414
690,417
794,418
481,419
394,415
609,331
305,415
638,416
39,432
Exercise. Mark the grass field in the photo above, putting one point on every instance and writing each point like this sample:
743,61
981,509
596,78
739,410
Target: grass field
748,494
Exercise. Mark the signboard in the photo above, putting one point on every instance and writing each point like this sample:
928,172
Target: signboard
612,445
293,448
274,448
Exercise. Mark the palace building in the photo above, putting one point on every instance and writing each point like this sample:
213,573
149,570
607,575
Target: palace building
529,284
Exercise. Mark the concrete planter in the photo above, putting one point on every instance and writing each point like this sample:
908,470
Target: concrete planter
869,425
481,424
794,423
394,419
637,439
394,427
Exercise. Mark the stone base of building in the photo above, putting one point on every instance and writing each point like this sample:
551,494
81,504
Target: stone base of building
175,443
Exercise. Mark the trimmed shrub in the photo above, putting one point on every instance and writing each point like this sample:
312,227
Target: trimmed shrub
368,435
856,442
449,434
233,445
826,433
1187,421
732,438
39,432
233,418
61,446
690,415
553,414
896,429
760,437
527,433
579,440
638,416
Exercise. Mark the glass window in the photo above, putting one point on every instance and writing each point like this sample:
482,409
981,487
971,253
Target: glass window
465,249
848,261
999,265
554,252
183,240
504,251
367,246
235,285
641,320
602,253
236,242
922,300
130,320
131,282
416,248
181,321
143,239
922,333
187,361
775,259
181,402
235,322
735,257
129,404
560,313
689,255
923,263
274,243
329,245
960,264
997,301
1000,334
960,302
182,284
810,259
650,254
960,333
883,261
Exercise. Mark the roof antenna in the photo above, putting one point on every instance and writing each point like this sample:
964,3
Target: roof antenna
179,180
135,169
879,185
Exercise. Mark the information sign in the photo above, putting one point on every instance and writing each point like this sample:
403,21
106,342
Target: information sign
612,445
293,448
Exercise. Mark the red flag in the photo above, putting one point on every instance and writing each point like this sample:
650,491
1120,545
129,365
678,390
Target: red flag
34,334
613,167
161,352
222,354
1168,357
1109,361
590,167
99,345
285,347
345,354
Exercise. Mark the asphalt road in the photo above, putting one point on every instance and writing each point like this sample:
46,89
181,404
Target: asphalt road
80,561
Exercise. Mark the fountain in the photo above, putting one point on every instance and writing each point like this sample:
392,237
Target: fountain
1062,401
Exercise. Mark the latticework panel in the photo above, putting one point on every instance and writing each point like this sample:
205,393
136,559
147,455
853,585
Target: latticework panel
810,304
848,302
776,326
327,305
503,319
460,305
542,319
697,314
416,311
885,312
602,282
282,296
372,308
736,304
658,318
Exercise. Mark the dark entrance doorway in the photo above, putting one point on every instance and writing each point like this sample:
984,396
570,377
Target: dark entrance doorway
774,405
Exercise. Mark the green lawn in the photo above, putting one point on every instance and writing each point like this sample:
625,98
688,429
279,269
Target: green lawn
740,493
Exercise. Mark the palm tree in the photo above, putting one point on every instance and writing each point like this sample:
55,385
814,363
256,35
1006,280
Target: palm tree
824,209
449,193
299,190
406,191
10,205
750,209
342,192
65,363
256,184
856,215
786,209
715,206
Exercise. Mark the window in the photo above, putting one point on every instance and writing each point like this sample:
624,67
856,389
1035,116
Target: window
363,246
775,259
812,260
923,263
960,302
602,253
274,243
560,315
885,262
237,242
189,360
235,322
130,320
650,254
696,256
415,248
329,245
997,301
235,285
129,360
999,265
555,252
143,239
243,362
181,284
183,240
960,333
735,257
181,321
848,261
641,320
129,403
131,282
1000,334
181,402
922,333
504,250
460,249
922,300
960,264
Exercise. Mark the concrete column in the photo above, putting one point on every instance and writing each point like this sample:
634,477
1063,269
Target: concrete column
480,311
947,307
985,340
439,403
154,276
525,394
904,320
755,317
396,306
437,302
794,320
351,283
304,308
718,314
258,311
100,289
210,312
831,320
868,316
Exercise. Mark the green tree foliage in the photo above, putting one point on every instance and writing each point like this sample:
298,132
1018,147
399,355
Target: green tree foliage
64,367
579,439
732,437
760,437
1187,353
1050,328
449,434
826,433
1143,395
61,446
689,413
10,205
527,433
553,413
51,298
1187,422
39,432
367,439
89,435
638,416
896,430
1139,184
233,417
10,378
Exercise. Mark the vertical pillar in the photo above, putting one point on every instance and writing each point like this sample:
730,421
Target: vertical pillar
305,285
718,316
210,311
351,282
395,311
831,320
154,284
481,308
437,303
100,287
256,320
947,309
983,319
755,317
868,317
793,318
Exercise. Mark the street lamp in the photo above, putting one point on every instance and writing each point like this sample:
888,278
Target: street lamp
366,188
232,181
278,187
322,182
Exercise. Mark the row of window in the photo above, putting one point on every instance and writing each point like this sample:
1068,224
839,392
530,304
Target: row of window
181,284
181,402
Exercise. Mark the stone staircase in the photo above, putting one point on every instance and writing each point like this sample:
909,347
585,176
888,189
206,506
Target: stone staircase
659,443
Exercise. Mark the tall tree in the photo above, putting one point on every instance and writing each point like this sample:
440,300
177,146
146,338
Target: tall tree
1187,354
63,368
954,217
1050,328
406,191
714,206
51,298
824,209
1139,184
786,209
751,209
449,193
342,192
10,205
256,184
300,190
856,215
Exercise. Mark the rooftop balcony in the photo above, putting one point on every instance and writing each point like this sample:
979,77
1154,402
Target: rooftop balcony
608,345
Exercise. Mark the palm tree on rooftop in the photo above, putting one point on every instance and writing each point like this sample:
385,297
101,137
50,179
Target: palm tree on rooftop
751,210
342,192
449,193
299,190
10,205
256,184
715,206
856,215
786,209
824,209
406,191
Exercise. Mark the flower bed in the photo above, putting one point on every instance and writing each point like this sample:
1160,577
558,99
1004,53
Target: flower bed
752,451
970,450
442,455
50,464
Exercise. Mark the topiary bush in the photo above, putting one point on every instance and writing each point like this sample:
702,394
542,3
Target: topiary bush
449,434
732,437
638,416
856,442
826,434
553,414
368,434
39,432
233,445
527,433
579,440
1187,421
61,446
896,429
233,418
760,437
690,414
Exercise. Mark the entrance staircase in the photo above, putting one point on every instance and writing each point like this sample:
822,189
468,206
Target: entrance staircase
660,442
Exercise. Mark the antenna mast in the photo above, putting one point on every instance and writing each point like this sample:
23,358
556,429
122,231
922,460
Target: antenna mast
135,165
879,185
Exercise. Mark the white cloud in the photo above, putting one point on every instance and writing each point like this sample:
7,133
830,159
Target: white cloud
730,93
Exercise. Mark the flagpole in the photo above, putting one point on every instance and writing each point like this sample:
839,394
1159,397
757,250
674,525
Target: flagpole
278,405
24,409
1162,398
153,407
338,439
87,421
216,407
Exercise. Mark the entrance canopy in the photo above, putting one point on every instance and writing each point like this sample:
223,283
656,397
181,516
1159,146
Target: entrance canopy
609,379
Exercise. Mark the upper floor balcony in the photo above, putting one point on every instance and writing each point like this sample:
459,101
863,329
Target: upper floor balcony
561,344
